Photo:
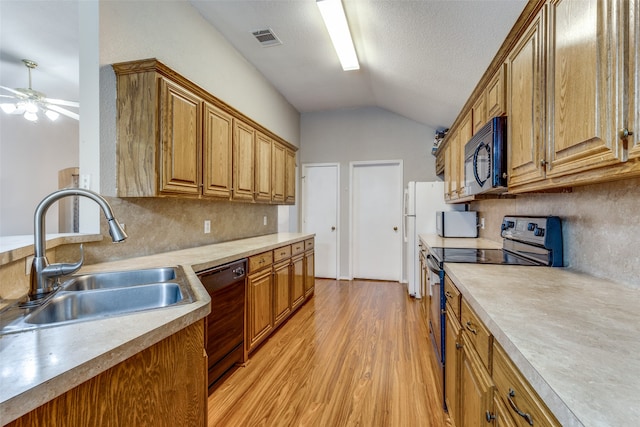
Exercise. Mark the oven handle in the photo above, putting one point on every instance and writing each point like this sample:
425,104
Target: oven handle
433,266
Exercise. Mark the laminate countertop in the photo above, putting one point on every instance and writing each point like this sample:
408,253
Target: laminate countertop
39,365
574,337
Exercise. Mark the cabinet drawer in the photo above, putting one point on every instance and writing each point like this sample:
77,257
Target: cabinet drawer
260,261
452,294
517,394
282,253
477,333
308,244
297,248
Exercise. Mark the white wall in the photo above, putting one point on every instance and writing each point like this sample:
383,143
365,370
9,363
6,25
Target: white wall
31,154
176,34
371,133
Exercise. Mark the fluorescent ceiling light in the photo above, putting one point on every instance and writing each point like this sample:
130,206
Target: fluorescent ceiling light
336,23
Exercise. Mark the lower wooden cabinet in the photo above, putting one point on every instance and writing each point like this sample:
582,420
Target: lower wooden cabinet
453,354
309,275
259,307
297,281
500,417
281,292
163,385
476,388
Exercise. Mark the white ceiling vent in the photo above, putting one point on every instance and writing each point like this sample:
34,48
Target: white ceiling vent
266,37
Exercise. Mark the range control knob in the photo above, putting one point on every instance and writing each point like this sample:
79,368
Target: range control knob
507,224
538,232
531,226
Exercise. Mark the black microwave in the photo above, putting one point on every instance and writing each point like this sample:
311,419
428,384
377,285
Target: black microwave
485,159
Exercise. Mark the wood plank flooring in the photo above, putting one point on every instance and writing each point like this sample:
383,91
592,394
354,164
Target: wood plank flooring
356,354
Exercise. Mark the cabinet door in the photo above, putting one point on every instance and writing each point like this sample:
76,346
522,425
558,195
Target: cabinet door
525,71
180,139
260,307
448,185
501,417
278,173
453,353
297,281
632,120
243,160
479,113
281,292
582,86
217,152
496,95
451,165
263,168
476,396
290,177
465,134
309,274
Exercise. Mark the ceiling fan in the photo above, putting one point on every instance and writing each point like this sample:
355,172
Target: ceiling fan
28,101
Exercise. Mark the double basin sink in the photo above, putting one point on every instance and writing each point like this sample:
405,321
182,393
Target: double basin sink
95,296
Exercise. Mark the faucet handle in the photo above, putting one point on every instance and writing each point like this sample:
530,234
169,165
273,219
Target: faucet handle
64,269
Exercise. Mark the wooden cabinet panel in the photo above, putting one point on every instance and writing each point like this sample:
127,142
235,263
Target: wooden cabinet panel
479,113
309,244
464,135
297,248
260,261
281,292
476,397
582,87
217,152
525,70
496,95
501,417
452,295
515,391
290,177
281,253
243,160
632,93
309,274
453,350
477,334
278,173
260,307
180,142
297,281
263,168
451,167
163,385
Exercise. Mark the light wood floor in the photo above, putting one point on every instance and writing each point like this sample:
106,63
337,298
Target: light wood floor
356,354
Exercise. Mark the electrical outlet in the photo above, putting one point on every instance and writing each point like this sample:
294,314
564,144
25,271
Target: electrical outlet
482,223
207,226
264,220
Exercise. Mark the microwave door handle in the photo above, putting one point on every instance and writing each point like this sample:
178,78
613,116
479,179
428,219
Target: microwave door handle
475,165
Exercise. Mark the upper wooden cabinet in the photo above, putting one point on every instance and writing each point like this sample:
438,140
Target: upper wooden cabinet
176,139
217,161
525,123
263,168
496,95
631,120
290,177
278,173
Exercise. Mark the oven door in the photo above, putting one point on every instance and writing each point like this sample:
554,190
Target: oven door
435,309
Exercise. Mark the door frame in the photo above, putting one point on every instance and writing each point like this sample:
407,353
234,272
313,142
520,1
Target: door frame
303,206
352,167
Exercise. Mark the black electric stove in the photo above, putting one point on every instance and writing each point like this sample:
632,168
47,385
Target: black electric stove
478,256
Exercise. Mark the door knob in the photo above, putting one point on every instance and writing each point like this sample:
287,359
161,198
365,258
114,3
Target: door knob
333,229
395,228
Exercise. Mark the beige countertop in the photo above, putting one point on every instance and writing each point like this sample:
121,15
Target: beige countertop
39,365
575,337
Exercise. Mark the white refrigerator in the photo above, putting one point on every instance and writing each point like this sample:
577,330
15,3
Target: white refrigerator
421,202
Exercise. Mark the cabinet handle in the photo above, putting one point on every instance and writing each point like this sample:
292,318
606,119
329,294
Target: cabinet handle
458,346
543,163
516,409
470,329
624,133
490,417
448,294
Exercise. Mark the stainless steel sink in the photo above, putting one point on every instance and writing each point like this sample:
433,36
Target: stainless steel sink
118,279
99,295
71,306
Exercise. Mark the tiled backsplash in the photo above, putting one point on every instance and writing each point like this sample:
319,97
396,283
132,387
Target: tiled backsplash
165,224
601,226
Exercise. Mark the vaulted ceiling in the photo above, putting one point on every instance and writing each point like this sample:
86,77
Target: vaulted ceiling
419,58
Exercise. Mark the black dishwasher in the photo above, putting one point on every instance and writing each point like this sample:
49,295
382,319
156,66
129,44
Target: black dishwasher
224,330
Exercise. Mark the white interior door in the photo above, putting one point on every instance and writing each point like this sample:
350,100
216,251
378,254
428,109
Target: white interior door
320,213
376,220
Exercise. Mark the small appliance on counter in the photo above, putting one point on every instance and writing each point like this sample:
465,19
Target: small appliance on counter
457,223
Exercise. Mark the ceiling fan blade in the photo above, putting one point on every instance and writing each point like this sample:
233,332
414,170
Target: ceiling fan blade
16,92
64,111
62,102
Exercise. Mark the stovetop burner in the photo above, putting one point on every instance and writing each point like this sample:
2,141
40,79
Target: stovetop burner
478,256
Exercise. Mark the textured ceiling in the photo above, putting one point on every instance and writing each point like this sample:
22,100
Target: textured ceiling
419,59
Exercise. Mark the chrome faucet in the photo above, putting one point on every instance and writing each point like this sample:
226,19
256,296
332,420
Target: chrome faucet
44,275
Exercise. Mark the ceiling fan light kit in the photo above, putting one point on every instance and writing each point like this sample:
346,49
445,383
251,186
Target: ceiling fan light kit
336,22
29,102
